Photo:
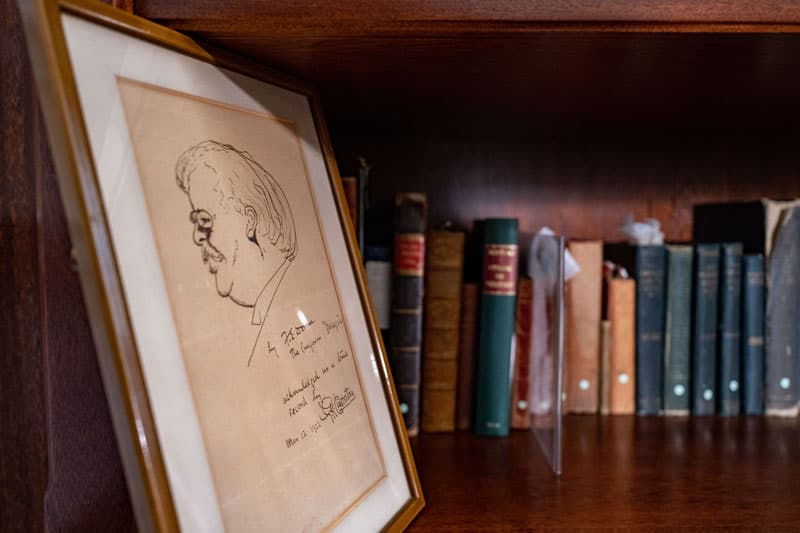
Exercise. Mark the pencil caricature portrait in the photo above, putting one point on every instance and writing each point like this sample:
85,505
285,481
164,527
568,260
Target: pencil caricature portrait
242,223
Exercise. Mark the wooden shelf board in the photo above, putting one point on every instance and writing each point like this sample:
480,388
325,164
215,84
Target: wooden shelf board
499,68
414,17
621,472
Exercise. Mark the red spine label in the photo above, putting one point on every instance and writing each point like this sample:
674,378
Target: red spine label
500,269
409,254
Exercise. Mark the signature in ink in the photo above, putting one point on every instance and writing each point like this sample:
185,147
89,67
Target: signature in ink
289,335
333,406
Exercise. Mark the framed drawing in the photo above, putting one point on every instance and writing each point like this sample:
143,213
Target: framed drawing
243,365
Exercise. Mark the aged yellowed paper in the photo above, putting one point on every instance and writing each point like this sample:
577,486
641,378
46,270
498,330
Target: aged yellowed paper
273,375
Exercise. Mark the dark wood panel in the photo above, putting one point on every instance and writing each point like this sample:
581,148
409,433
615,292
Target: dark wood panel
520,68
619,472
23,438
86,489
125,5
543,83
303,17
580,187
59,465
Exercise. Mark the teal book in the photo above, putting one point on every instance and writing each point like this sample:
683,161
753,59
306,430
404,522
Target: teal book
753,334
647,264
730,296
677,329
704,335
497,309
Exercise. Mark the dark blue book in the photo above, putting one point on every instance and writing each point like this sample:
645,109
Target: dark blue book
704,332
677,329
647,264
730,296
771,228
753,334
407,294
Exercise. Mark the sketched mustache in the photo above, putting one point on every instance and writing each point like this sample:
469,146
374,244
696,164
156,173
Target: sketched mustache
212,254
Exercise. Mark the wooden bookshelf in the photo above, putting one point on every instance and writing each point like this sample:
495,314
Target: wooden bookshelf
493,69
566,113
621,472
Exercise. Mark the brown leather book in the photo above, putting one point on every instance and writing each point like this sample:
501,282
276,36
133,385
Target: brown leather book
520,386
583,309
467,349
441,324
620,310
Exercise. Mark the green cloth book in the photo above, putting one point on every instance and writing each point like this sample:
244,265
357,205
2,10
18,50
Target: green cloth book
498,301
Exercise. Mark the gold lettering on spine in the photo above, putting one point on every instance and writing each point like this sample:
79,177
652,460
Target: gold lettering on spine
500,269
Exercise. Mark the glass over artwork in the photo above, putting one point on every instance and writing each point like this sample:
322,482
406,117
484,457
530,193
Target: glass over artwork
260,324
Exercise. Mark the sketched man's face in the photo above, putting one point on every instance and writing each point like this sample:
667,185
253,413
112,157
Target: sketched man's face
221,233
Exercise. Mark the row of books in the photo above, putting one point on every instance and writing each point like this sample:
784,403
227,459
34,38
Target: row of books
680,330
653,329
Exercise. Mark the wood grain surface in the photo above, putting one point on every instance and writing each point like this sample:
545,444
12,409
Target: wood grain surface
23,438
539,83
623,472
489,68
59,465
580,187
387,16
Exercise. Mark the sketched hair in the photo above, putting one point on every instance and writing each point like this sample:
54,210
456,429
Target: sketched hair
247,184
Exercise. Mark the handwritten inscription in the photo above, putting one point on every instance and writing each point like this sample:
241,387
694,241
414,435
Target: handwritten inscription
333,326
320,393
305,383
289,335
296,408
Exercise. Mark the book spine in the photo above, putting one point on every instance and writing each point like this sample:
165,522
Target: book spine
677,330
605,367
361,205
440,336
467,352
704,337
621,314
407,296
378,267
520,411
584,307
498,296
753,335
783,306
729,328
650,290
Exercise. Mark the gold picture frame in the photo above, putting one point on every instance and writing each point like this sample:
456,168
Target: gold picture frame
110,158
